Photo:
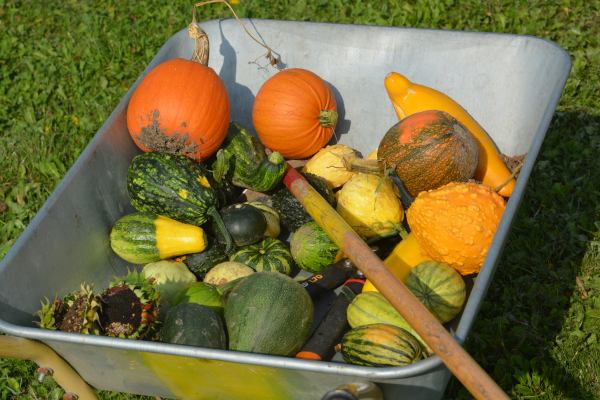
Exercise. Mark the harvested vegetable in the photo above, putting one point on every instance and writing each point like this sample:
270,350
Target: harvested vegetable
295,113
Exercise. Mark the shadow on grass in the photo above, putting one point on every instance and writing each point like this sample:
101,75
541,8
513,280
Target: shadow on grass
536,332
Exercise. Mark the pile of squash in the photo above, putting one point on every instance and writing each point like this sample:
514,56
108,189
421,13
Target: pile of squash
436,181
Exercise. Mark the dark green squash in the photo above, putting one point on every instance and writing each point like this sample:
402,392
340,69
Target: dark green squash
268,313
201,263
268,254
174,186
320,185
242,160
193,324
246,224
292,214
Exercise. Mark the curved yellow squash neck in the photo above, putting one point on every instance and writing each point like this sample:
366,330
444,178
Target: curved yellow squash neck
410,98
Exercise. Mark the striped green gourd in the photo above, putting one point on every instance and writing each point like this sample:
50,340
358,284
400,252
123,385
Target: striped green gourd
372,308
380,345
176,187
267,255
146,237
439,287
242,159
313,249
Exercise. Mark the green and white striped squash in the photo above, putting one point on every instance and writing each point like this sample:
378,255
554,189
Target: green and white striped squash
269,254
439,287
372,308
380,345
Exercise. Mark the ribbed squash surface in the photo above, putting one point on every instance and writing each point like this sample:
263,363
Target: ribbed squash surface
429,149
456,223
380,345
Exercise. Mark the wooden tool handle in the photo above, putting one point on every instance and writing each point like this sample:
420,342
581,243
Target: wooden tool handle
458,361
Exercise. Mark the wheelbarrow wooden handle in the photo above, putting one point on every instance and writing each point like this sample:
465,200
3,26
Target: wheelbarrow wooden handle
458,361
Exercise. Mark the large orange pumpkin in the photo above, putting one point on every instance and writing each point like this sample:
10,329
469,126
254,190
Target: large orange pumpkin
181,106
295,113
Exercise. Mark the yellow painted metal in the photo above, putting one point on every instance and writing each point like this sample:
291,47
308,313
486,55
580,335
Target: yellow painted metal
63,374
196,378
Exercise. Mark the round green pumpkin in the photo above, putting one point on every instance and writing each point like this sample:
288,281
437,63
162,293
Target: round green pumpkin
267,255
439,287
313,249
268,313
194,325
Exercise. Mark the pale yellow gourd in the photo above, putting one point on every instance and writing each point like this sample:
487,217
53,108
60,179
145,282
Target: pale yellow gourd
368,215
328,164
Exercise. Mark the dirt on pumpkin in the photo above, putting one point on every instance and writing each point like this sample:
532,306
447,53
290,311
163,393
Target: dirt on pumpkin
155,138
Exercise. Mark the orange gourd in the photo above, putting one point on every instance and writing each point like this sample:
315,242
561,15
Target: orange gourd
455,224
294,113
409,98
181,106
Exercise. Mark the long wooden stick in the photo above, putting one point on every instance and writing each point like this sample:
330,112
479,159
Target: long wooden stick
458,361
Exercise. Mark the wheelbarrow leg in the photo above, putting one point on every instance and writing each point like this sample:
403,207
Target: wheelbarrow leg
49,363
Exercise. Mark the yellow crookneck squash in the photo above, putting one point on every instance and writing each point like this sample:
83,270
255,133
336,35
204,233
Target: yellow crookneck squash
410,98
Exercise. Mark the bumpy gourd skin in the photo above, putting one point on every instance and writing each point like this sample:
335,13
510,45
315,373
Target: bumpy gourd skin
456,223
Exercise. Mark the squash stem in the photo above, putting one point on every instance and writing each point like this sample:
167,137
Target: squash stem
201,49
511,177
328,118
217,217
406,199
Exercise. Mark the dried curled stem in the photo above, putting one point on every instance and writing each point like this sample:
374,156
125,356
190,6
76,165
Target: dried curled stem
268,55
512,175
201,50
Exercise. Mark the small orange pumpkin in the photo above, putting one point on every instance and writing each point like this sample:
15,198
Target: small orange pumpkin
181,106
295,113
455,224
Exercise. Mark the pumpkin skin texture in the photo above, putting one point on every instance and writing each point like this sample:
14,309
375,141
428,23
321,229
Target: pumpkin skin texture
429,149
456,223
181,106
410,98
294,113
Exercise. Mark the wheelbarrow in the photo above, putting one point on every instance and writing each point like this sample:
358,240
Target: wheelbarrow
510,84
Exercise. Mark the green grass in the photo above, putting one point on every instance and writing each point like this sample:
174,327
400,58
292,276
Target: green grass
65,65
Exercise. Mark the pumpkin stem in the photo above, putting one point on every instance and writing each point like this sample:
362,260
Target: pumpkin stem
217,217
512,176
200,54
269,55
328,118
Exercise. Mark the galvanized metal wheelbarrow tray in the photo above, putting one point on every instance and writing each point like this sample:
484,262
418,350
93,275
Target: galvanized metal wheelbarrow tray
510,84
